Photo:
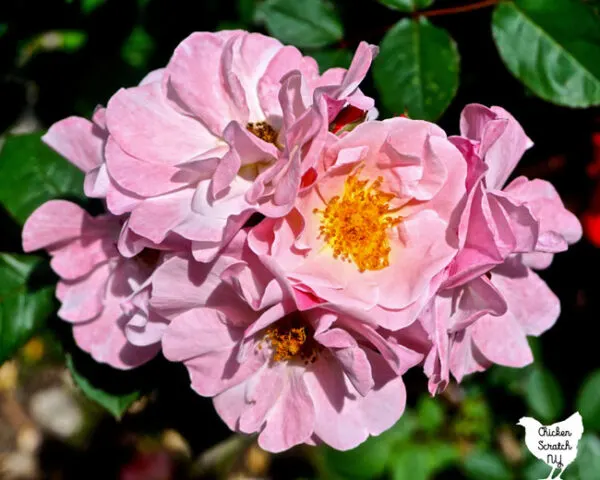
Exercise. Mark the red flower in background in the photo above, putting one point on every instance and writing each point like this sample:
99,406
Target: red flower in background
591,217
156,465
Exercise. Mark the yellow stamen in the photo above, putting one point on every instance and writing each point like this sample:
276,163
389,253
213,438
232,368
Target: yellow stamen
264,131
356,224
286,345
290,340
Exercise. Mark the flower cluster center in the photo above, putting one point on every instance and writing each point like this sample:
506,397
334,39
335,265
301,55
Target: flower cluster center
291,340
356,224
264,131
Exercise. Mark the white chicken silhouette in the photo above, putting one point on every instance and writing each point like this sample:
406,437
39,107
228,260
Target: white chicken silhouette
556,444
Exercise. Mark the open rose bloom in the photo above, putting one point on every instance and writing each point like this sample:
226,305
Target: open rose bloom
375,246
377,227
294,376
227,128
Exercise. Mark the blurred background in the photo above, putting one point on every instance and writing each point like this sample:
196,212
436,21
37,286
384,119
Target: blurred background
64,417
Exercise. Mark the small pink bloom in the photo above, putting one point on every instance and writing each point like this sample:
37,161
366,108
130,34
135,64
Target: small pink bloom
294,377
102,293
489,300
378,227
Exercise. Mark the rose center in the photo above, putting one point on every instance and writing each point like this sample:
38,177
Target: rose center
148,257
264,131
292,339
356,224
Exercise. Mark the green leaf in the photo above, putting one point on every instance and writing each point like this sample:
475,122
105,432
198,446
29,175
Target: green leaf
485,464
417,69
406,5
3,28
24,307
138,48
115,403
369,459
587,464
403,430
88,6
431,414
543,395
474,420
553,48
513,380
535,470
72,40
366,461
588,401
309,23
246,11
332,58
535,344
422,462
31,174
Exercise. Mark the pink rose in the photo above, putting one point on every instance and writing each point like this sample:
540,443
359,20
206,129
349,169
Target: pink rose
226,130
378,226
489,300
102,293
292,376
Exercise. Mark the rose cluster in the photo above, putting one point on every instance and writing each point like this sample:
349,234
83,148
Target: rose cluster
297,255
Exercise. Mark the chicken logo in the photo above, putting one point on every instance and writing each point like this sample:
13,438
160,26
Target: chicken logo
556,444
